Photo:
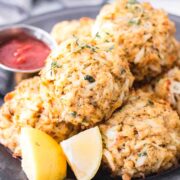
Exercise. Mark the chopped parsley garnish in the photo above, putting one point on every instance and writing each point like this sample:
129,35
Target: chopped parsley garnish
108,33
82,45
97,35
89,78
106,41
74,114
151,103
92,48
54,65
132,2
134,21
142,154
123,71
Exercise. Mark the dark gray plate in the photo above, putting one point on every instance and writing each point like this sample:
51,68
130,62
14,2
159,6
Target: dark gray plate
10,168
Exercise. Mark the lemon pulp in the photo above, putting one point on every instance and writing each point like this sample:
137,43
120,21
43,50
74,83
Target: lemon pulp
42,157
84,153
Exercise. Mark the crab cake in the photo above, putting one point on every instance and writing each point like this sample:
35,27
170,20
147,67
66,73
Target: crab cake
168,88
145,36
83,82
24,107
143,137
66,29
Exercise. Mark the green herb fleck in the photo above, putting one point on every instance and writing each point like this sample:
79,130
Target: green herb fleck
98,35
108,33
106,41
123,71
89,78
83,46
142,154
151,103
132,2
134,21
54,65
74,114
92,48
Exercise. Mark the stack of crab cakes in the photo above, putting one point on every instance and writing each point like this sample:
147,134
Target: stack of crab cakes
88,80
82,84
145,36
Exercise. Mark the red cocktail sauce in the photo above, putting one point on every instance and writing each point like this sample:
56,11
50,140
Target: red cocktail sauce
23,52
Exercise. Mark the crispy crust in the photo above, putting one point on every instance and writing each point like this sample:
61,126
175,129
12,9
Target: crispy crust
24,107
168,88
66,98
85,81
66,29
141,138
145,36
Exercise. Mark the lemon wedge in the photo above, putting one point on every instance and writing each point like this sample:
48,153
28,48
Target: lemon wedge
84,153
42,157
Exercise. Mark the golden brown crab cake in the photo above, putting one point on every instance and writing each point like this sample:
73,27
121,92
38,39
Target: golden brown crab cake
168,88
84,82
143,137
24,107
20,109
145,36
66,29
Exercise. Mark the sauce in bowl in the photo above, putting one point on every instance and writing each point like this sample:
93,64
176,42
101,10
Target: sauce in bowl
23,51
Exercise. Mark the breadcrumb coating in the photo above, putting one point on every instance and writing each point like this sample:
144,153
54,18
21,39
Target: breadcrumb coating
145,36
85,81
142,138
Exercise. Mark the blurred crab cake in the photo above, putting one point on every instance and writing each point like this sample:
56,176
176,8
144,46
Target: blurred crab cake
66,29
168,88
145,36
143,137
84,82
24,107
